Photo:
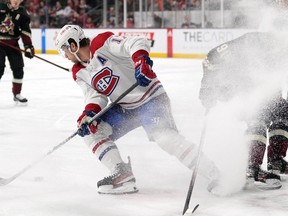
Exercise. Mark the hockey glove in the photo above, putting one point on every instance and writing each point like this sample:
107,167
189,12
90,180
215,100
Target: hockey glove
84,128
29,51
143,70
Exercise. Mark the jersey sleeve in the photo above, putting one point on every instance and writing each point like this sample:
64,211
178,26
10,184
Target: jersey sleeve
127,46
25,27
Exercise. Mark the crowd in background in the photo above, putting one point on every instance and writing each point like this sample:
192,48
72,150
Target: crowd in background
89,13
56,13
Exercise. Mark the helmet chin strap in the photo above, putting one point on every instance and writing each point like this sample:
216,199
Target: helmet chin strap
77,57
79,60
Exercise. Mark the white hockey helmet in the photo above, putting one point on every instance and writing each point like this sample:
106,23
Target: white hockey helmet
68,32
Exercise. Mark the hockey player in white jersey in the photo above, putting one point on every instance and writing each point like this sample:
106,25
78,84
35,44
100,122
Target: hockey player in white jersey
104,68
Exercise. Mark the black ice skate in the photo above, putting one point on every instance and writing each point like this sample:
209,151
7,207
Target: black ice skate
263,179
18,98
278,165
122,181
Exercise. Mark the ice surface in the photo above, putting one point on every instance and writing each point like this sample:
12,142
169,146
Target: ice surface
64,184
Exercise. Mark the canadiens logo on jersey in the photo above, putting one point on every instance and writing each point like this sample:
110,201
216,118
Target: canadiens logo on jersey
104,81
7,25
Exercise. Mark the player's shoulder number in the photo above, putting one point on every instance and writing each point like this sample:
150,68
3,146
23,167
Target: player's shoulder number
222,48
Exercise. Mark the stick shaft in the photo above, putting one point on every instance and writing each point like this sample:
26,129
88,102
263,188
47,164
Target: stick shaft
21,50
195,171
97,116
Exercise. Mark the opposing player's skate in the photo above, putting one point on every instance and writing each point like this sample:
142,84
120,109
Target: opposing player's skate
262,179
121,181
278,165
18,98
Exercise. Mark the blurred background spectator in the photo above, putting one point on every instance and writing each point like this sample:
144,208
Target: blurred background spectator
151,14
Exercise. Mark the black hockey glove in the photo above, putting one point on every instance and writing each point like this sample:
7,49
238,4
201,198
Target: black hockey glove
29,51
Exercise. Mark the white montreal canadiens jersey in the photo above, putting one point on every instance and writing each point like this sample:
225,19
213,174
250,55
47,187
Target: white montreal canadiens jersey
110,72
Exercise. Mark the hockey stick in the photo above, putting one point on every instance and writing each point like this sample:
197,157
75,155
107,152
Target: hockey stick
195,171
5,181
21,50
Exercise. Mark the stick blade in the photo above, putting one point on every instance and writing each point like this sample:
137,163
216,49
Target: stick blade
4,182
189,211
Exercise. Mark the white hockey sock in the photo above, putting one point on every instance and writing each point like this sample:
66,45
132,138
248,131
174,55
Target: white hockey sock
108,153
111,159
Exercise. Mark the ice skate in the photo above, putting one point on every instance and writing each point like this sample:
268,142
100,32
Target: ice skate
262,179
278,166
122,181
18,98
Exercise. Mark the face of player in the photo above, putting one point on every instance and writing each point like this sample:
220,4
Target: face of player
15,3
83,53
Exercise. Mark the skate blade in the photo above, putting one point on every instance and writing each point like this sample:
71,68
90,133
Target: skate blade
21,104
271,184
190,211
126,188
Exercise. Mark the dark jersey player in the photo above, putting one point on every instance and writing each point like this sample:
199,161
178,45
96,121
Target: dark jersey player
243,67
14,24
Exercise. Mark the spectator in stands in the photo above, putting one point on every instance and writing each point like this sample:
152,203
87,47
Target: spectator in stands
130,20
168,5
76,5
52,14
82,17
32,8
83,5
43,13
111,16
89,23
188,24
157,21
195,4
63,14
71,4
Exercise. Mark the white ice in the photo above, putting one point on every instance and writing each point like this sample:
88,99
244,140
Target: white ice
64,183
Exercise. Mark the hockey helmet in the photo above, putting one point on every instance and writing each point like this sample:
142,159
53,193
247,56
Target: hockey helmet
65,35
